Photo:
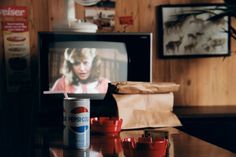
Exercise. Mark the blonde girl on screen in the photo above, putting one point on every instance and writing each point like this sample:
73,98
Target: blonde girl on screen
81,72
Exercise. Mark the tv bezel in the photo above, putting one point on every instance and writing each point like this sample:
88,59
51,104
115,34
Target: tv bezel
45,38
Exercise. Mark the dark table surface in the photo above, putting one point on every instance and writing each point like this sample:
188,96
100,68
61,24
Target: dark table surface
214,124
49,143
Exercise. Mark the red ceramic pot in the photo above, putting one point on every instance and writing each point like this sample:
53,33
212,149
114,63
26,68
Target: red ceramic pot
106,125
145,146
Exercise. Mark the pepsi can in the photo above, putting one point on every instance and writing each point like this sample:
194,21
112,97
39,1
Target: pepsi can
76,123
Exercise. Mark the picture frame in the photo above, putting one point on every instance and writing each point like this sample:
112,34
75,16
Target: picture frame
193,30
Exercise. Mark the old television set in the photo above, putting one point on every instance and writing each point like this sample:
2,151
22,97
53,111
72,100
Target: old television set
124,57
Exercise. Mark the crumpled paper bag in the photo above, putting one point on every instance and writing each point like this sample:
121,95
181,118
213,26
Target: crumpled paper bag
131,87
146,104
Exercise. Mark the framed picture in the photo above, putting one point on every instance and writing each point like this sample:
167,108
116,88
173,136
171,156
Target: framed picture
193,31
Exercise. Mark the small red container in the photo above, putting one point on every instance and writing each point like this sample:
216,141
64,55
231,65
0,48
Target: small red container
145,146
106,125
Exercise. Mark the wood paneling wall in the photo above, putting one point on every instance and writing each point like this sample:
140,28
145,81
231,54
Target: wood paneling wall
203,81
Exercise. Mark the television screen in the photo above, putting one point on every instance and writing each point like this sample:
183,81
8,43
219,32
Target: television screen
82,64
86,66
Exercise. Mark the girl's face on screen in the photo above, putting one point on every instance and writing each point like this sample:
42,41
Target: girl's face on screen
82,68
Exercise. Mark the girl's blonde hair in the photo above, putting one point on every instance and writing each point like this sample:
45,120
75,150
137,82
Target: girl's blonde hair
72,56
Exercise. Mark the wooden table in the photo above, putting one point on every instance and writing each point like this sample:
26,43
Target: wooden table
181,145
214,124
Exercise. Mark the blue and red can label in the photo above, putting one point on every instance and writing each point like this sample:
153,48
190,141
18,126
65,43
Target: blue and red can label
76,123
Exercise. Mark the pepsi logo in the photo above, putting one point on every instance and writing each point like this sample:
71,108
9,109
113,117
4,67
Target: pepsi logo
79,119
79,129
78,110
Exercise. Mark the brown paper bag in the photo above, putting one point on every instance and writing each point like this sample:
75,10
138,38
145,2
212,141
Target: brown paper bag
151,107
131,87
